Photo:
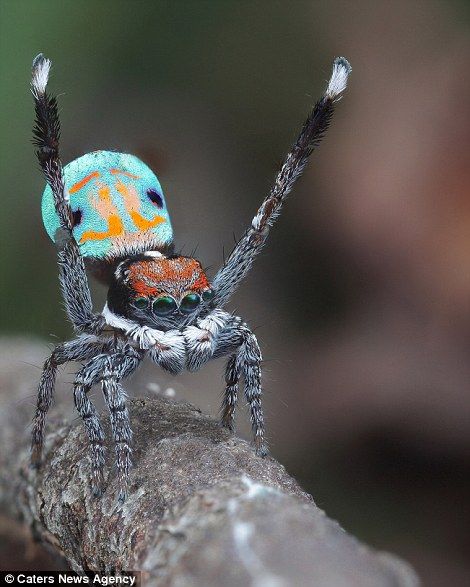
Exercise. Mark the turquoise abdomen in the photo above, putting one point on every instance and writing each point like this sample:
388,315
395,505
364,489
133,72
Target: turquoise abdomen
118,206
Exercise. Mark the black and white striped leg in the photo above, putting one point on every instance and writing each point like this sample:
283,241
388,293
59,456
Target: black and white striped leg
229,403
115,398
251,243
72,274
85,379
109,370
80,349
245,361
120,366
44,401
251,367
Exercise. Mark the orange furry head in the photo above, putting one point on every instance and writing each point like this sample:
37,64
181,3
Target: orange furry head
143,279
150,277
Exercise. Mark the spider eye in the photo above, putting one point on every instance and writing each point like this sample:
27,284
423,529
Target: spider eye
141,303
155,197
164,305
190,302
208,295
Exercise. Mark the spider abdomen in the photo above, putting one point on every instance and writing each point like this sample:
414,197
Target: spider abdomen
118,206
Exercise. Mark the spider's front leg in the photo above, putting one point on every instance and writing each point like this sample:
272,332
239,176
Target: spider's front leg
201,338
109,369
244,362
219,334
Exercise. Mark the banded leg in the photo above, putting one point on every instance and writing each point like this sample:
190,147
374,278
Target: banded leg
108,369
229,403
245,360
76,350
72,274
119,367
84,381
44,401
251,361
251,243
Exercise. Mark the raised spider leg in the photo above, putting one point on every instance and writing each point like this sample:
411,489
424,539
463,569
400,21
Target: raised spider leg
80,349
109,370
249,246
72,274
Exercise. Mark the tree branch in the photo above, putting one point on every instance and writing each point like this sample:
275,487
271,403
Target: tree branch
203,509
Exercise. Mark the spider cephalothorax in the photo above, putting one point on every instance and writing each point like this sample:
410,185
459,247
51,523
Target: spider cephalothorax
107,210
159,291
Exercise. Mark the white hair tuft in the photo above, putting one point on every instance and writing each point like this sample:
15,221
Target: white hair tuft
40,74
156,254
339,78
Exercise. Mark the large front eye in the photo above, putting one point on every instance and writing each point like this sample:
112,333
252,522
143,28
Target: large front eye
189,303
141,303
164,306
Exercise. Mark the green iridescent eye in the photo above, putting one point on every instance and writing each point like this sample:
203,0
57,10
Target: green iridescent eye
189,303
164,305
141,303
208,295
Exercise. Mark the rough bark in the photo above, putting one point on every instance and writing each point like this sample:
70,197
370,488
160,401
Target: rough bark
203,509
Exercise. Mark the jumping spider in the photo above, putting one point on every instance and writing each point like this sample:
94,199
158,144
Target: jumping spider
107,209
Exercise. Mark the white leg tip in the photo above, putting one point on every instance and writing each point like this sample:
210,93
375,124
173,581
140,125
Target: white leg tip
339,78
40,74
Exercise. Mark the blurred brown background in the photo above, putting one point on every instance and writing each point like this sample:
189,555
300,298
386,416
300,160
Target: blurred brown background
361,299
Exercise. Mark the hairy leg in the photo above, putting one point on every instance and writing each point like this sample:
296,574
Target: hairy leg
84,380
229,402
79,349
246,362
119,367
108,369
44,400
72,274
251,243
201,338
251,361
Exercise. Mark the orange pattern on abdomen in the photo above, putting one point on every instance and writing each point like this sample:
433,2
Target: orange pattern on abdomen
78,186
115,228
107,210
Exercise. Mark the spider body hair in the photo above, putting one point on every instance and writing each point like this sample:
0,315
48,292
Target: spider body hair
107,210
